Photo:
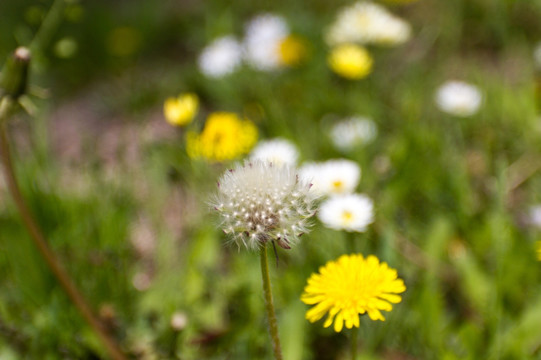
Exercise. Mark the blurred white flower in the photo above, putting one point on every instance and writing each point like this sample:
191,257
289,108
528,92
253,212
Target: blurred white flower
260,202
353,131
179,320
264,35
332,177
221,57
535,216
276,151
350,212
458,98
365,22
537,55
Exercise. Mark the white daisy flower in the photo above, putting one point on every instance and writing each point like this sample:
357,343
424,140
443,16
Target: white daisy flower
221,57
535,216
264,35
537,55
458,98
350,212
353,131
260,202
365,22
332,177
276,151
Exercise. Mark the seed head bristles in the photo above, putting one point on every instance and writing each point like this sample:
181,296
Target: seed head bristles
259,201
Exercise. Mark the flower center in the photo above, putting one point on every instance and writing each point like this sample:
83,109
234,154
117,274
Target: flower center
338,185
347,217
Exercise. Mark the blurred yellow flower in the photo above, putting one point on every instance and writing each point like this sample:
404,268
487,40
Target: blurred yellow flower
350,286
350,61
539,250
225,137
292,50
181,110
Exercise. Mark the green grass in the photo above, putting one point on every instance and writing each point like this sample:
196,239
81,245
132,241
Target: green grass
449,216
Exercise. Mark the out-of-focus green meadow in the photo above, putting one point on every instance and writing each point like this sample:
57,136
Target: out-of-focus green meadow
125,208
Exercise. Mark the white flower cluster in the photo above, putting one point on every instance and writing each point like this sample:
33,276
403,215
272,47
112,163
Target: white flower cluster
458,98
352,132
260,48
221,57
264,34
337,179
277,151
350,212
537,55
365,22
534,216
332,177
260,202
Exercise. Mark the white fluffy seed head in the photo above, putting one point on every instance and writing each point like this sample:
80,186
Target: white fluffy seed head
259,202
351,212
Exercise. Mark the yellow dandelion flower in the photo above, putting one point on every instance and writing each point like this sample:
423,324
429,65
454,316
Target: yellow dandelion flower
350,286
292,50
539,250
350,61
225,137
181,110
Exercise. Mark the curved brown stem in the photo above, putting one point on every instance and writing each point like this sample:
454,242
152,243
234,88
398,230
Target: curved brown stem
39,240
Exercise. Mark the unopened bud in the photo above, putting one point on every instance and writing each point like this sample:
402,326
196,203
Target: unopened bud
14,76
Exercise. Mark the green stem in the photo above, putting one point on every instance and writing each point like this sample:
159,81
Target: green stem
354,345
48,26
269,305
39,240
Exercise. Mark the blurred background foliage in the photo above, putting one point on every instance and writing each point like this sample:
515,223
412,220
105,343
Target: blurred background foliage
124,207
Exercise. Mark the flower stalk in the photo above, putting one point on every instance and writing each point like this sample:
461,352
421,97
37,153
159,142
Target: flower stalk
354,342
14,83
269,304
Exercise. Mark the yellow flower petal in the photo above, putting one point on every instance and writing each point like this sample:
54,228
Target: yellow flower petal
351,286
350,61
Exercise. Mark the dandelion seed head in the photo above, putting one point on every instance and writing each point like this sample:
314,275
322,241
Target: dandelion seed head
261,206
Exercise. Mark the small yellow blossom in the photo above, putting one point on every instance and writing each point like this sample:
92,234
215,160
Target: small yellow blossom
539,250
350,286
225,137
292,50
350,61
181,110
